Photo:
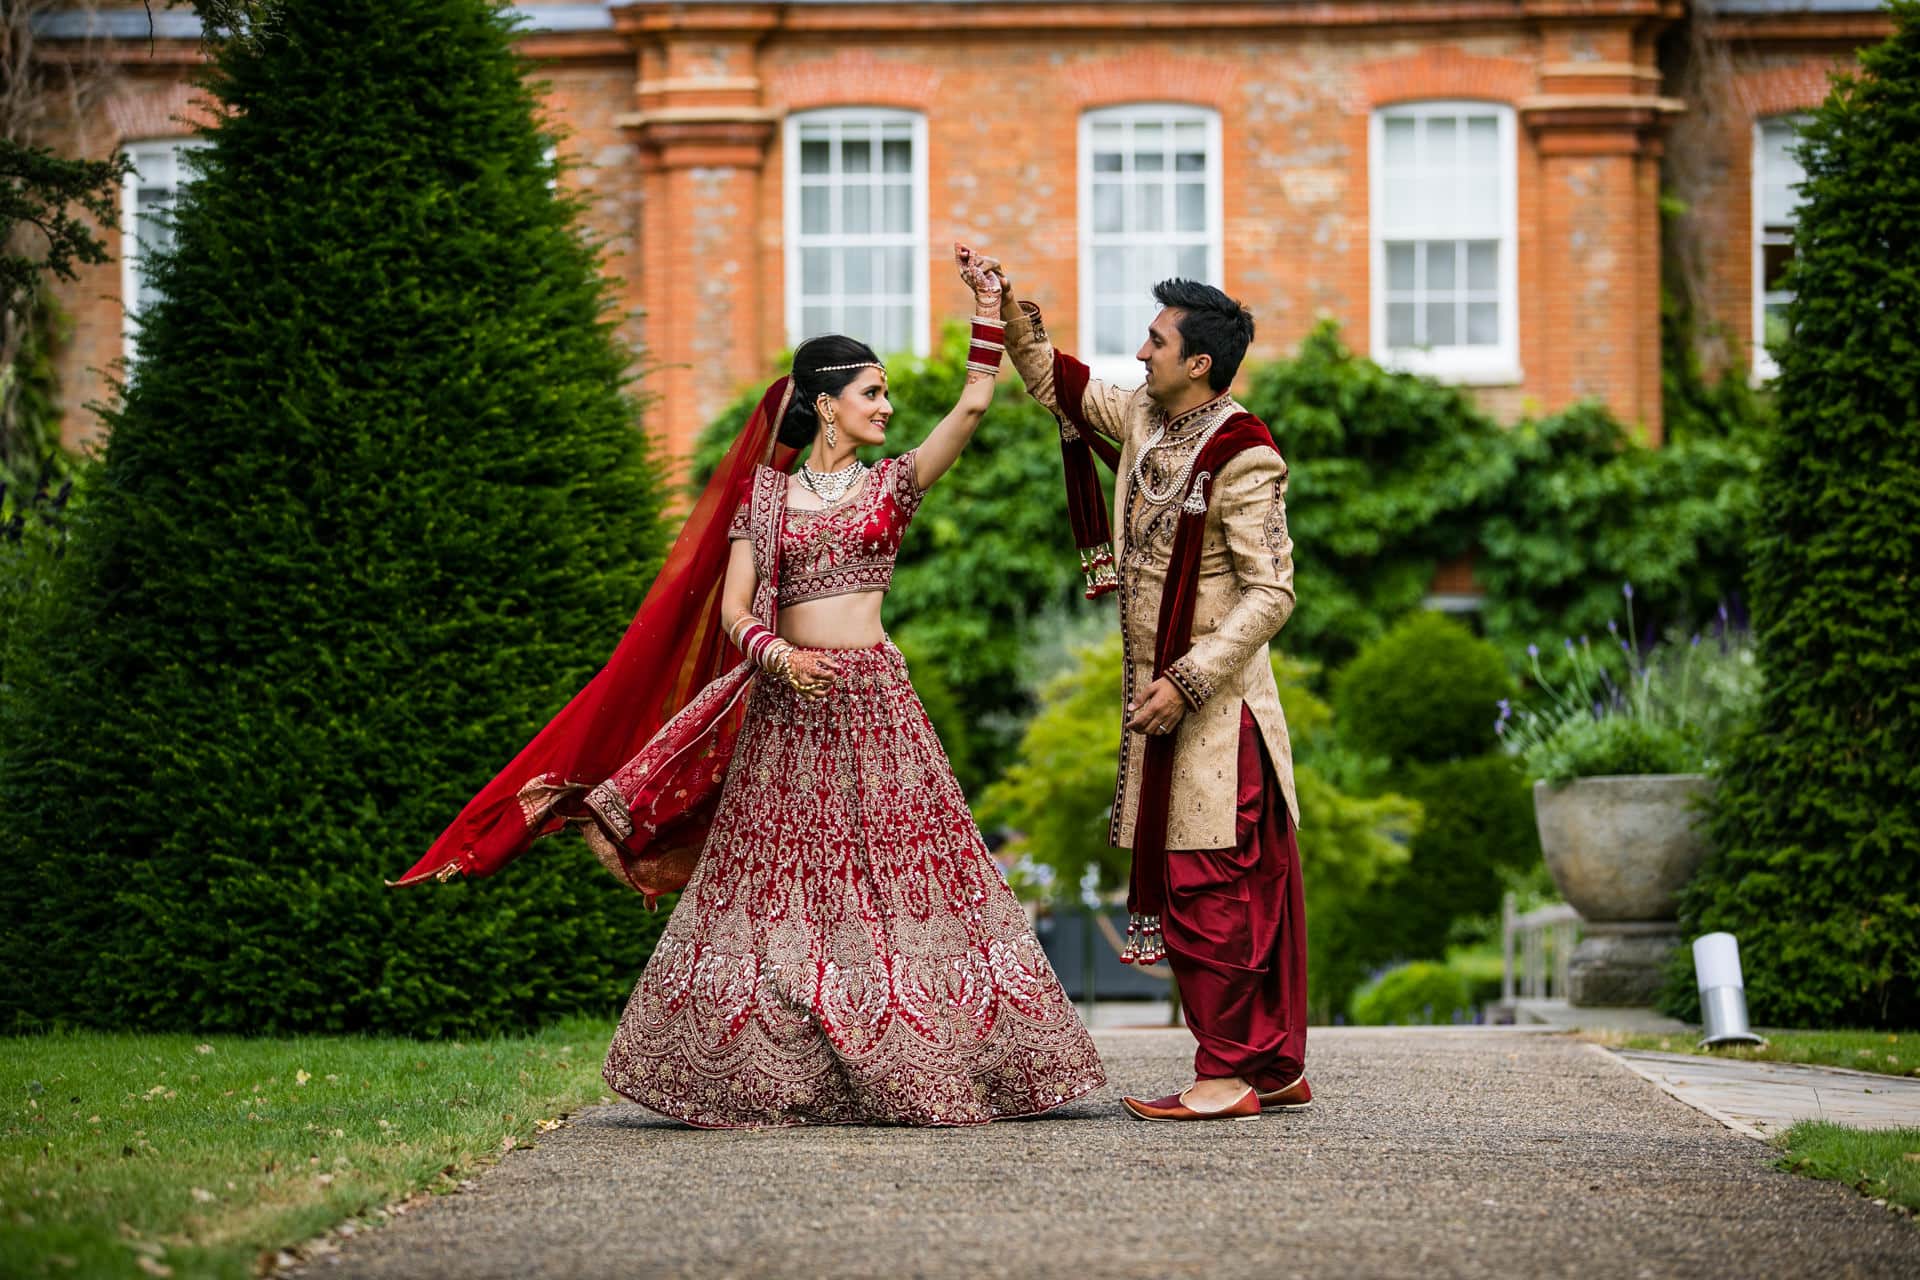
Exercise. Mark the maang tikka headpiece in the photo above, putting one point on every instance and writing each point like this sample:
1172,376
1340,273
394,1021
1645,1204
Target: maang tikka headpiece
863,364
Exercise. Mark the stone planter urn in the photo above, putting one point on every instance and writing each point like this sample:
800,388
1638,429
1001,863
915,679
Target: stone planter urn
1620,849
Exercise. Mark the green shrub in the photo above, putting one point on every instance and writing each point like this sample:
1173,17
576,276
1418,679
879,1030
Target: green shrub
1478,825
1816,825
1421,993
1416,711
1425,691
1584,747
373,507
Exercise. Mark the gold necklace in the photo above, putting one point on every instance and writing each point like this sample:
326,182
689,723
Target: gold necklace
1162,497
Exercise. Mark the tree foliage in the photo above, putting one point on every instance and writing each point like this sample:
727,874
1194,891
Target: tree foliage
1816,825
1394,476
373,506
1424,692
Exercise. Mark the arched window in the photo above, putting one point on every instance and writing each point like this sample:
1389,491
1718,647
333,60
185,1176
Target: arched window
1149,209
1777,176
146,200
856,227
1443,230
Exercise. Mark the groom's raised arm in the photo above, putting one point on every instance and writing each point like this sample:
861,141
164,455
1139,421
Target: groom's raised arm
1062,383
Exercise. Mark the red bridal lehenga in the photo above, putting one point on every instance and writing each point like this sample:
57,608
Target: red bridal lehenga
846,950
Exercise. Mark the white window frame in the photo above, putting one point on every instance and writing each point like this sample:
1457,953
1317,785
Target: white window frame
1121,368
1493,365
790,199
1764,366
131,256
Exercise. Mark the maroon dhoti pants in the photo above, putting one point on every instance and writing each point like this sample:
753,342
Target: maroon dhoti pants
1236,930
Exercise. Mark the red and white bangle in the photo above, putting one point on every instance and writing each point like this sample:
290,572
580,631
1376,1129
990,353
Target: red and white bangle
987,346
762,647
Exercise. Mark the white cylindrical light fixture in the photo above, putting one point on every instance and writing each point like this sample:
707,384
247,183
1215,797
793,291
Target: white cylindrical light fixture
1723,993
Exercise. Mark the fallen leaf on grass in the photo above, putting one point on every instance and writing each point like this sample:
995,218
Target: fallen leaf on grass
202,1194
151,1267
301,1077
203,1048
507,1143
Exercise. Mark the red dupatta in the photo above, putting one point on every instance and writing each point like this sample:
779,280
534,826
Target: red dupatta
638,756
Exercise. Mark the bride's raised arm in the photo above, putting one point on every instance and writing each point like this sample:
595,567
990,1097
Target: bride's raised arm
943,444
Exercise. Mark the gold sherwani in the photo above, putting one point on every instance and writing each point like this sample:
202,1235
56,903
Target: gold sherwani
1244,596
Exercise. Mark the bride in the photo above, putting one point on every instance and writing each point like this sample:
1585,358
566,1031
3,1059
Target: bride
844,950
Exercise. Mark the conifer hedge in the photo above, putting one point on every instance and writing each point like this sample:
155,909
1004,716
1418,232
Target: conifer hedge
1817,824
374,505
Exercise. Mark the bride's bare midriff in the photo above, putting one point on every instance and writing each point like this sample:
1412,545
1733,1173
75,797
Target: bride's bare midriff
851,621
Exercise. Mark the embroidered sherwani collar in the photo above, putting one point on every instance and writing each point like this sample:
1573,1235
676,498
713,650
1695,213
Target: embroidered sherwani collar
1193,419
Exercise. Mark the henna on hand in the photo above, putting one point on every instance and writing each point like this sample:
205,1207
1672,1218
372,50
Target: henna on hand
982,275
813,671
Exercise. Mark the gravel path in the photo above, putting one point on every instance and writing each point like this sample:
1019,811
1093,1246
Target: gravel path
1442,1152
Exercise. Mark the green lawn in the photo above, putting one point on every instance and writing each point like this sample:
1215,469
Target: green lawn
1885,1052
1882,1163
140,1155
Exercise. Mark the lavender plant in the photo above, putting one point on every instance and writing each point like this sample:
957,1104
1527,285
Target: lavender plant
1630,708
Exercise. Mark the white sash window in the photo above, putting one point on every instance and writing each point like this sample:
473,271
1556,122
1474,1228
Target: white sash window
1150,209
1445,284
146,199
1777,176
856,227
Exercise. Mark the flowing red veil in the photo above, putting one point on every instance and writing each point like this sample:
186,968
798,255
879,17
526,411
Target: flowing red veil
663,713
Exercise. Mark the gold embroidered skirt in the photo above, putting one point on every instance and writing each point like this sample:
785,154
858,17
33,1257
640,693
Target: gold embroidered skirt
847,951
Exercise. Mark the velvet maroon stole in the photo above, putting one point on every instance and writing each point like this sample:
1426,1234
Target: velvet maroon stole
1079,445
1173,636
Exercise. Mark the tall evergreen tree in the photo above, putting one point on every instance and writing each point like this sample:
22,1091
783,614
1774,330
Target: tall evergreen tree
375,504
1817,826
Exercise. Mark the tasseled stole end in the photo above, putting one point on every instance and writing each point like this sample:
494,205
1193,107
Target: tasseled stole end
1087,507
1146,941
1096,563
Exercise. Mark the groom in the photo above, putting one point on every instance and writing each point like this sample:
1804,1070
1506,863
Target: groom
1204,569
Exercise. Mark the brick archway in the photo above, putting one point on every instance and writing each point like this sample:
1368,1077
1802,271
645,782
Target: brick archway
851,78
1149,77
1442,71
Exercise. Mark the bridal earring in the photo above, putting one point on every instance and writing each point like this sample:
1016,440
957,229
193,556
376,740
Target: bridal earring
833,438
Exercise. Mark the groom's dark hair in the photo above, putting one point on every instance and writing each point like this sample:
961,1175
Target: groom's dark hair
1213,325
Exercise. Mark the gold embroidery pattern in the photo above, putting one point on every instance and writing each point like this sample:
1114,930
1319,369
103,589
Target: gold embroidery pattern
850,547
846,951
1276,524
1192,681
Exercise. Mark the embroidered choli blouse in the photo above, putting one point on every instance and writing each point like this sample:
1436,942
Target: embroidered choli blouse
850,546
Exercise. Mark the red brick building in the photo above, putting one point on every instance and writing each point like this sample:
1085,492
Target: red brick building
1469,187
